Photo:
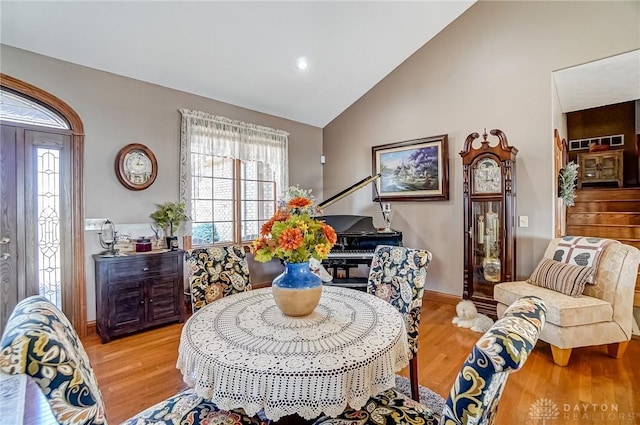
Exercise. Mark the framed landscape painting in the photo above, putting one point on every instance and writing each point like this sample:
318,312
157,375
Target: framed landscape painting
415,170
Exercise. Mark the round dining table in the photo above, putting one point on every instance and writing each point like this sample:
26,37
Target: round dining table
242,352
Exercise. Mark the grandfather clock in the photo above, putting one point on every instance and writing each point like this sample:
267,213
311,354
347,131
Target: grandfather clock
489,218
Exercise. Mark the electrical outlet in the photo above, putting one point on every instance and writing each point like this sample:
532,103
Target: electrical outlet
93,224
523,221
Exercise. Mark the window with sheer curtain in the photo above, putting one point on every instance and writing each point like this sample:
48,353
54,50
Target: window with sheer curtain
230,175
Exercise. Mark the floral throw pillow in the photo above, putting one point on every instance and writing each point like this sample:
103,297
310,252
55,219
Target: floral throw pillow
561,277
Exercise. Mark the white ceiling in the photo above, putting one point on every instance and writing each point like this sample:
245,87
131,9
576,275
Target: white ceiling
606,81
237,52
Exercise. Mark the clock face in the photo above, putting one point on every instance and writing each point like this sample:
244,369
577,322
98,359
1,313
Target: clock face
136,166
486,176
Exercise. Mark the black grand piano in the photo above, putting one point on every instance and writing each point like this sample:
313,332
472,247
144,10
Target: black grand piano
357,240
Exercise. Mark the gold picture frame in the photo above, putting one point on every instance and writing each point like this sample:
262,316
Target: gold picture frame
413,170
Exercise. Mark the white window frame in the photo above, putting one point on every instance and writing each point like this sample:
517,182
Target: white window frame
613,140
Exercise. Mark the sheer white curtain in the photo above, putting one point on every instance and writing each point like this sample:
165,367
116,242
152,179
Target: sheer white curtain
220,136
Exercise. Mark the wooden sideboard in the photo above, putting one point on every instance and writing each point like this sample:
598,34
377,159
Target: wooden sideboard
600,167
137,291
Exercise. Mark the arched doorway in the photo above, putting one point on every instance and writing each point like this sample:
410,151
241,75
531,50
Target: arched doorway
74,287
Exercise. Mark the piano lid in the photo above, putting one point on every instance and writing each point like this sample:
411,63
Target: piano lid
351,224
348,191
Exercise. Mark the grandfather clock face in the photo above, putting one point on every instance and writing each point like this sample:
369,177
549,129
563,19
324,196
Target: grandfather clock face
487,177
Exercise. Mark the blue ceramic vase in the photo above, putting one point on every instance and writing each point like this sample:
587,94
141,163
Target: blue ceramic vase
297,290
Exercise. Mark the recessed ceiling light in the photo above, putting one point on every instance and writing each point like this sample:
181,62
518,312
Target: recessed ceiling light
301,63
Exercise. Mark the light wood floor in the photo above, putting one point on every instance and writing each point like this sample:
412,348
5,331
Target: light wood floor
137,371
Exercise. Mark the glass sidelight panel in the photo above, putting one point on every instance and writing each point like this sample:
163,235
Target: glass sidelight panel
48,236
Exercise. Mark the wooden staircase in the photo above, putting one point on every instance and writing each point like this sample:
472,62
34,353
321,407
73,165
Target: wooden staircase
607,213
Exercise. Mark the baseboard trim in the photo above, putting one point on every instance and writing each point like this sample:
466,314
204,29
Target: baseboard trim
91,327
441,297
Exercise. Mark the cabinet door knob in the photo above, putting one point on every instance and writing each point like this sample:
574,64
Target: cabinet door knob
141,301
145,269
150,301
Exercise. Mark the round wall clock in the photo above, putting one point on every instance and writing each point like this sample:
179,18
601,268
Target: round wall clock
136,166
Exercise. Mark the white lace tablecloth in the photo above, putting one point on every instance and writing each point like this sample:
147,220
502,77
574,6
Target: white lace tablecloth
241,351
12,398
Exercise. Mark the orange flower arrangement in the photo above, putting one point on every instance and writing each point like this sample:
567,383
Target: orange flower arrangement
293,234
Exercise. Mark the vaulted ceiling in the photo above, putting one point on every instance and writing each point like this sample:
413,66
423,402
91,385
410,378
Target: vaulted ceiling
243,53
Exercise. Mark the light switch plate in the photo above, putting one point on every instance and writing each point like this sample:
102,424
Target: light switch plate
93,224
523,221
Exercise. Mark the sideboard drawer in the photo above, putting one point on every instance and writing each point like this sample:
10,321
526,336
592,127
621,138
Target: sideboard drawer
149,265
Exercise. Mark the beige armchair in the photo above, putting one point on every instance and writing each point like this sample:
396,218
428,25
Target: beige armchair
603,314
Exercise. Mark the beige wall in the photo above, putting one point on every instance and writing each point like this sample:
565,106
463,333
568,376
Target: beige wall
491,68
117,111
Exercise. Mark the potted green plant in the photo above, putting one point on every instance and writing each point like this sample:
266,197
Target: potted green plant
170,216
567,183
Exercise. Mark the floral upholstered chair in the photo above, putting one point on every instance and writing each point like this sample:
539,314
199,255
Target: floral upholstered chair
216,272
39,341
503,349
398,276
474,397
188,408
